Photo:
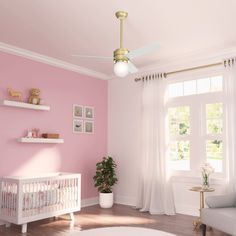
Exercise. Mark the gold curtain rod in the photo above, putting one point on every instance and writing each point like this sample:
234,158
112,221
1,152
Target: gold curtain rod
185,70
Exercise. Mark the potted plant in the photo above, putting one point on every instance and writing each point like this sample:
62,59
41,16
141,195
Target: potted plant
104,180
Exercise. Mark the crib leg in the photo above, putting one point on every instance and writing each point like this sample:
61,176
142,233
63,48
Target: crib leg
8,224
72,217
24,228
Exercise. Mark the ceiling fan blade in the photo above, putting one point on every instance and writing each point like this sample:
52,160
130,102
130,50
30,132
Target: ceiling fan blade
92,57
132,68
141,51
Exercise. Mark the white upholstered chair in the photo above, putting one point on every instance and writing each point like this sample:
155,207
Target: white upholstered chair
221,214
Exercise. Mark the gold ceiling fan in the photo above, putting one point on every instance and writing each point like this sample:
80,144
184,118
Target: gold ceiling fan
122,56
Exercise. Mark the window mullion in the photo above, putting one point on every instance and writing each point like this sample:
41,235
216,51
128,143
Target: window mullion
196,139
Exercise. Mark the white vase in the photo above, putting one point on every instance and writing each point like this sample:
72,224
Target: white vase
106,200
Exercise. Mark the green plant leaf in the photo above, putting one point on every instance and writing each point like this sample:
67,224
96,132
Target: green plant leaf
105,176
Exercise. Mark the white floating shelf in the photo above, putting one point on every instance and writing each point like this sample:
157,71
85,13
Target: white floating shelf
24,105
40,140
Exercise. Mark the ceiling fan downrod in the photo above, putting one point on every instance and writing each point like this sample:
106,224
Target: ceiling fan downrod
119,54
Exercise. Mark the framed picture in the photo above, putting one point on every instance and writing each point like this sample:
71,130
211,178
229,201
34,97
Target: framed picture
88,126
77,111
88,112
78,126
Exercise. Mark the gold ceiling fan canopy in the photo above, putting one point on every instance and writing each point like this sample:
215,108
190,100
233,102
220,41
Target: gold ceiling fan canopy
121,15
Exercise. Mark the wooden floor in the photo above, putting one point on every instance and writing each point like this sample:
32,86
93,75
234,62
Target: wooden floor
119,215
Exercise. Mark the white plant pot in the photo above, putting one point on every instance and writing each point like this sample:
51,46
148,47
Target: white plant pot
106,200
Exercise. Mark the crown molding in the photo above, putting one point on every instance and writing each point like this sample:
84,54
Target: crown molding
191,59
50,61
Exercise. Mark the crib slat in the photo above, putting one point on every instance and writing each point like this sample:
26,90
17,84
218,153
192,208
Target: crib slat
11,202
70,191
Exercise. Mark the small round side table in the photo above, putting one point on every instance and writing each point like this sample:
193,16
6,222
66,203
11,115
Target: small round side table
197,223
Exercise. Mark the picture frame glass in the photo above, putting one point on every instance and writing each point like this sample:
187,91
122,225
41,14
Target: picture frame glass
88,127
77,111
77,126
89,112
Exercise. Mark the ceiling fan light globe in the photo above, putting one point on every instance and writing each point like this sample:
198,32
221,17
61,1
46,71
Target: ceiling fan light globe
121,69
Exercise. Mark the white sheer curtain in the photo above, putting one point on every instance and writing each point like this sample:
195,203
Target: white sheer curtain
155,191
230,114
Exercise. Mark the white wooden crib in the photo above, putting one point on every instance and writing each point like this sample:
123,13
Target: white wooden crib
27,199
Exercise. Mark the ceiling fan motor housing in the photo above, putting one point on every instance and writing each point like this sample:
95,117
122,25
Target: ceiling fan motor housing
119,55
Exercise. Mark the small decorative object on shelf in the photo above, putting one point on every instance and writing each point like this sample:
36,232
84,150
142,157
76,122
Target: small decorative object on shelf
15,95
207,169
41,102
34,96
29,134
48,135
35,133
34,136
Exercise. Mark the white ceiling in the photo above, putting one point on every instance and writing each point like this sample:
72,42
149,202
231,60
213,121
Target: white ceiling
60,28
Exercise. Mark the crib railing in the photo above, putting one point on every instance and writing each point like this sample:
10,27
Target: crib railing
27,199
42,197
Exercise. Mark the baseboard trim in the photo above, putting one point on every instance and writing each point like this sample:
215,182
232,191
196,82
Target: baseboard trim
89,202
180,209
124,200
187,210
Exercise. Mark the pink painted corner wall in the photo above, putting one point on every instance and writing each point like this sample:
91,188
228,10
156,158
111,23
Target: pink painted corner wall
60,89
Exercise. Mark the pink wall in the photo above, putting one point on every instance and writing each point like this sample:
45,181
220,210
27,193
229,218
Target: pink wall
60,89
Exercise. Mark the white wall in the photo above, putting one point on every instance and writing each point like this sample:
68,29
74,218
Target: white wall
124,119
124,144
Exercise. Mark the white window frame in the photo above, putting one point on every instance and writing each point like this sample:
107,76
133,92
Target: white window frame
198,118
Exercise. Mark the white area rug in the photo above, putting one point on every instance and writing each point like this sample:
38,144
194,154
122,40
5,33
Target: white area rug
122,231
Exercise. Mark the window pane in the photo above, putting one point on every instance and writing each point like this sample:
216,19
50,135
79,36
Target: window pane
176,90
203,85
179,120
214,127
214,114
179,155
216,83
214,153
190,87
